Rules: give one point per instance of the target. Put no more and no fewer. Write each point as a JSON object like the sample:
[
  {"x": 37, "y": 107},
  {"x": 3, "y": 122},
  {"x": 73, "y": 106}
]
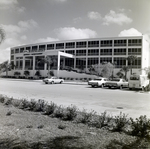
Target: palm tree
[
  {"x": 131, "y": 60},
  {"x": 49, "y": 60},
  {"x": 2, "y": 35},
  {"x": 125, "y": 69}
]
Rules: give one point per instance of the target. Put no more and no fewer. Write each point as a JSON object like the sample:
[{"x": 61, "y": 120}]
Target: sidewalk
[{"x": 75, "y": 82}]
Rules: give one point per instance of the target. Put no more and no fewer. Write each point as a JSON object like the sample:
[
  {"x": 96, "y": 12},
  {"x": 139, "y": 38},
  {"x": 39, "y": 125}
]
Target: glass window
[
  {"x": 120, "y": 42},
  {"x": 134, "y": 51},
  {"x": 106, "y": 43},
  {"x": 135, "y": 42},
  {"x": 80, "y": 63},
  {"x": 59, "y": 45},
  {"x": 21, "y": 50},
  {"x": 106, "y": 52},
  {"x": 81, "y": 53},
  {"x": 42, "y": 47},
  {"x": 93, "y": 52},
  {"x": 120, "y": 62},
  {"x": 70, "y": 45},
  {"x": 105, "y": 60},
  {"x": 50, "y": 46},
  {"x": 70, "y": 52},
  {"x": 92, "y": 61},
  {"x": 16, "y": 50},
  {"x": 81, "y": 44},
  {"x": 119, "y": 51},
  {"x": 93, "y": 43}
]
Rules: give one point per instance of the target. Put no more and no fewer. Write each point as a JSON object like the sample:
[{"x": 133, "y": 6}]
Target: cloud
[
  {"x": 27, "y": 24},
  {"x": 76, "y": 20},
  {"x": 94, "y": 15},
  {"x": 21, "y": 9},
  {"x": 73, "y": 33},
  {"x": 24, "y": 37},
  {"x": 130, "y": 32},
  {"x": 48, "y": 39},
  {"x": 4, "y": 55},
  {"x": 8, "y": 2},
  {"x": 116, "y": 18}
]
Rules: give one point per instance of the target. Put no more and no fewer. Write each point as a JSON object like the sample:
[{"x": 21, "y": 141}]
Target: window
[
  {"x": 93, "y": 52},
  {"x": 42, "y": 47},
  {"x": 12, "y": 57},
  {"x": 19, "y": 63},
  {"x": 39, "y": 64},
  {"x": 28, "y": 48},
  {"x": 69, "y": 62},
  {"x": 81, "y": 53},
  {"x": 21, "y": 50},
  {"x": 70, "y": 52},
  {"x": 119, "y": 51},
  {"x": 106, "y": 52},
  {"x": 70, "y": 45},
  {"x": 106, "y": 43},
  {"x": 120, "y": 43},
  {"x": 12, "y": 51},
  {"x": 50, "y": 46},
  {"x": 105, "y": 60},
  {"x": 34, "y": 48},
  {"x": 120, "y": 62},
  {"x": 92, "y": 61},
  {"x": 134, "y": 51},
  {"x": 93, "y": 43},
  {"x": 16, "y": 50},
  {"x": 135, "y": 42},
  {"x": 60, "y": 46},
  {"x": 136, "y": 63},
  {"x": 80, "y": 63},
  {"x": 81, "y": 44}
]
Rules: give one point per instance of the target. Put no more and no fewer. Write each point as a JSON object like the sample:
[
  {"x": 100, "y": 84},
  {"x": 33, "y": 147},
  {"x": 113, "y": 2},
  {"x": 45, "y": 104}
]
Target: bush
[
  {"x": 24, "y": 104},
  {"x": 49, "y": 108},
  {"x": 39, "y": 106},
  {"x": 119, "y": 122},
  {"x": 86, "y": 117},
  {"x": 59, "y": 112},
  {"x": 141, "y": 127},
  {"x": 102, "y": 120},
  {"x": 70, "y": 113},
  {"x": 2, "y": 99}
]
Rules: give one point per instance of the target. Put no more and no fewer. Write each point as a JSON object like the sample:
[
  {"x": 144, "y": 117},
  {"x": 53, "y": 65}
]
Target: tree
[
  {"x": 131, "y": 60},
  {"x": 4, "y": 67},
  {"x": 2, "y": 35},
  {"x": 125, "y": 69},
  {"x": 49, "y": 60}
]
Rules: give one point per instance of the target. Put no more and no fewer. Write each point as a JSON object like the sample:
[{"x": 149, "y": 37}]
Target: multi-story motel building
[{"x": 81, "y": 54}]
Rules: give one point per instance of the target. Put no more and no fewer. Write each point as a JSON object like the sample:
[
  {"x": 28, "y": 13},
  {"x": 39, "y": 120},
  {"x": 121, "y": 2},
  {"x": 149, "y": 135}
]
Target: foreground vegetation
[{"x": 43, "y": 125}]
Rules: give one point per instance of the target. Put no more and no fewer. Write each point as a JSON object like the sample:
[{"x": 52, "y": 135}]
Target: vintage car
[
  {"x": 99, "y": 82},
  {"x": 116, "y": 83},
  {"x": 53, "y": 80}
]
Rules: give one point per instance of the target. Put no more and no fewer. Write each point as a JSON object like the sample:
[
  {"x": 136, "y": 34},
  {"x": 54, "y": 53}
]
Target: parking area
[{"x": 114, "y": 101}]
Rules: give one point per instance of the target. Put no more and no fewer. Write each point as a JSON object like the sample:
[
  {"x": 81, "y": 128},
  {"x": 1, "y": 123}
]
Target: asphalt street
[{"x": 113, "y": 101}]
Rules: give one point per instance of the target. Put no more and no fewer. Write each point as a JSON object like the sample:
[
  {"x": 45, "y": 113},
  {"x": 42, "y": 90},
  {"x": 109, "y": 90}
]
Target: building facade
[{"x": 81, "y": 54}]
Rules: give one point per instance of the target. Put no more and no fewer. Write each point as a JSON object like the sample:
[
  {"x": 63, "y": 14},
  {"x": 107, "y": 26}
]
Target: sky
[{"x": 37, "y": 21}]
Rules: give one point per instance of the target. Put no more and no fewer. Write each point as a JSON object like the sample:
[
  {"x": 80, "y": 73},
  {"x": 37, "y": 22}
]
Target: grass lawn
[{"x": 24, "y": 129}]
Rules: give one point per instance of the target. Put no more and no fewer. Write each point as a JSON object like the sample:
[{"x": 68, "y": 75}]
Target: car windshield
[
  {"x": 115, "y": 79},
  {"x": 98, "y": 79}
]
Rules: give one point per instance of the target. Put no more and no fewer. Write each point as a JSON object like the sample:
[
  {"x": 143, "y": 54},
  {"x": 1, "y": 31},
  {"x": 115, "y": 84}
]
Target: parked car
[
  {"x": 117, "y": 83},
  {"x": 98, "y": 82},
  {"x": 53, "y": 80}
]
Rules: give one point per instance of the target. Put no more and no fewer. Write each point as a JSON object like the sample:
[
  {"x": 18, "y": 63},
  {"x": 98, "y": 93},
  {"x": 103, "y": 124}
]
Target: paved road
[{"x": 133, "y": 103}]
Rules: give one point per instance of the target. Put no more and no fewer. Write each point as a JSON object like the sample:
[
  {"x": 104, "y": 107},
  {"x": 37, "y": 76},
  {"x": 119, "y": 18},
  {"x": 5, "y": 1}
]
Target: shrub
[
  {"x": 50, "y": 108},
  {"x": 102, "y": 120},
  {"x": 140, "y": 127},
  {"x": 70, "y": 113},
  {"x": 2, "y": 99},
  {"x": 40, "y": 105},
  {"x": 7, "y": 101},
  {"x": 24, "y": 104},
  {"x": 86, "y": 117},
  {"x": 59, "y": 112},
  {"x": 119, "y": 122}
]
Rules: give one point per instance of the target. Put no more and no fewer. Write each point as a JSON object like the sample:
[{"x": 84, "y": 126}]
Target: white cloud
[
  {"x": 73, "y": 33},
  {"x": 8, "y": 2},
  {"x": 27, "y": 24},
  {"x": 48, "y": 39},
  {"x": 24, "y": 37},
  {"x": 130, "y": 32},
  {"x": 76, "y": 20},
  {"x": 116, "y": 18},
  {"x": 5, "y": 55},
  {"x": 94, "y": 15},
  {"x": 21, "y": 9}
]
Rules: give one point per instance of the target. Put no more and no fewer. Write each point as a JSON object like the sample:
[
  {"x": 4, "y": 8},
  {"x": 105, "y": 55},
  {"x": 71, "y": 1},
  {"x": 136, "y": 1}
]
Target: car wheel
[
  {"x": 46, "y": 83},
  {"x": 92, "y": 85},
  {"x": 121, "y": 87},
  {"x": 109, "y": 87},
  {"x": 52, "y": 82},
  {"x": 102, "y": 85},
  {"x": 60, "y": 82}
]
